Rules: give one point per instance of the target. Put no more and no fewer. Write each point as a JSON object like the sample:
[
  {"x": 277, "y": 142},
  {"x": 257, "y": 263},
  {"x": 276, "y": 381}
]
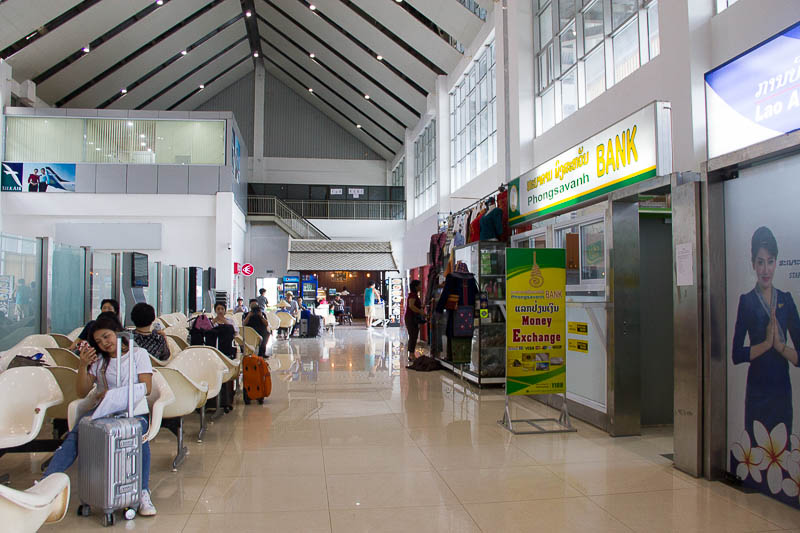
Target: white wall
[
  {"x": 318, "y": 171},
  {"x": 267, "y": 248}
]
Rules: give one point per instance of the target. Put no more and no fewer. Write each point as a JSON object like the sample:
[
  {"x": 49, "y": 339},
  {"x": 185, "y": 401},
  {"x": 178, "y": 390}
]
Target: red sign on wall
[
  {"x": 237, "y": 269},
  {"x": 247, "y": 269}
]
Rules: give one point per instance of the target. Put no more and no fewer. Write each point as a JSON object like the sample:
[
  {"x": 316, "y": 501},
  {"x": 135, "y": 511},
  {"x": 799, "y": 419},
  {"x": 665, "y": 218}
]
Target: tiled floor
[{"x": 350, "y": 442}]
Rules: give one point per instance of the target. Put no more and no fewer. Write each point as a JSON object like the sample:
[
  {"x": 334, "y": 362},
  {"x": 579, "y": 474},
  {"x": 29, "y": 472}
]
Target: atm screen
[{"x": 140, "y": 270}]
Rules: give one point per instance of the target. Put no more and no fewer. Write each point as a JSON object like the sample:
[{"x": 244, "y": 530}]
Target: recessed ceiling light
[
  {"x": 366, "y": 96},
  {"x": 310, "y": 90},
  {"x": 130, "y": 124},
  {"x": 312, "y": 55},
  {"x": 202, "y": 86},
  {"x": 248, "y": 14},
  {"x": 124, "y": 91},
  {"x": 312, "y": 7},
  {"x": 358, "y": 126},
  {"x": 380, "y": 58},
  {"x": 399, "y": 1},
  {"x": 160, "y": 2},
  {"x": 184, "y": 52},
  {"x": 86, "y": 49},
  {"x": 255, "y": 54}
]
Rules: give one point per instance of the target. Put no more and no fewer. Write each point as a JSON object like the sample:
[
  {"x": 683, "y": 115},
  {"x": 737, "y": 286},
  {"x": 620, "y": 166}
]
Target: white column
[
  {"x": 442, "y": 99},
  {"x": 258, "y": 114},
  {"x": 230, "y": 229}
]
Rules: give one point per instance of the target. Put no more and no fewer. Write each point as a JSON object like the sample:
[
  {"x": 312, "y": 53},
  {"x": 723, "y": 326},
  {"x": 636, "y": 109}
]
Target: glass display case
[{"x": 487, "y": 260}]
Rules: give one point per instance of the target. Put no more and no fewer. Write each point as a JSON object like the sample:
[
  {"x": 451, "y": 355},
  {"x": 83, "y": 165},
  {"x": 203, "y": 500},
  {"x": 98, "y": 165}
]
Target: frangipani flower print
[
  {"x": 774, "y": 446},
  {"x": 795, "y": 448},
  {"x": 791, "y": 485},
  {"x": 750, "y": 459}
]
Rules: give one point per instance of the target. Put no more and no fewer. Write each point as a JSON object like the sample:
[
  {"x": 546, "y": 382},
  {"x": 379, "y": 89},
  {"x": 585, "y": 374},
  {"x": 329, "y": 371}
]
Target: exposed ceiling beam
[{"x": 250, "y": 22}]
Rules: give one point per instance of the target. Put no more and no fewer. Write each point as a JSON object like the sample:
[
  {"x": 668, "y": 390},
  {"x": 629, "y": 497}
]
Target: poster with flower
[{"x": 763, "y": 324}]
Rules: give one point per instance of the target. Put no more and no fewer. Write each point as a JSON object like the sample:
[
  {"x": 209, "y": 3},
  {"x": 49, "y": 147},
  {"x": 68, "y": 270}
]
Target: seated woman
[
  {"x": 95, "y": 368},
  {"x": 338, "y": 307},
  {"x": 256, "y": 320},
  {"x": 145, "y": 336},
  {"x": 109, "y": 305}
]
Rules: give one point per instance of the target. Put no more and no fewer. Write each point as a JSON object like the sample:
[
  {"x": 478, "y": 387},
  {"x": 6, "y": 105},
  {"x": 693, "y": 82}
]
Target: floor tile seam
[
  {"x": 609, "y": 513},
  {"x": 208, "y": 478},
  {"x": 751, "y": 511},
  {"x": 325, "y": 479}
]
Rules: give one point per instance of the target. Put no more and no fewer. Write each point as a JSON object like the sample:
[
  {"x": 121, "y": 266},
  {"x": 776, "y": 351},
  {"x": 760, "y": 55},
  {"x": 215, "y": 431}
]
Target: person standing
[
  {"x": 369, "y": 300},
  {"x": 262, "y": 300},
  {"x": 33, "y": 181},
  {"x": 414, "y": 316},
  {"x": 43, "y": 181}
]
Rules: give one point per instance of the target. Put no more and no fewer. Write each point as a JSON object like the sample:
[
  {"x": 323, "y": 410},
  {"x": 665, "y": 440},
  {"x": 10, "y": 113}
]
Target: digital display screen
[{"x": 140, "y": 270}]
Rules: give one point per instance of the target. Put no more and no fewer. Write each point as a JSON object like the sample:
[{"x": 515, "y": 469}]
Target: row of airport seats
[{"x": 182, "y": 387}]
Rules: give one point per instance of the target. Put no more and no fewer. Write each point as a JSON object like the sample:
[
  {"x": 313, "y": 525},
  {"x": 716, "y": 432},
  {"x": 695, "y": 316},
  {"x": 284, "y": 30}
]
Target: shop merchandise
[
  {"x": 491, "y": 224},
  {"x": 463, "y": 287},
  {"x": 475, "y": 225},
  {"x": 502, "y": 204}
]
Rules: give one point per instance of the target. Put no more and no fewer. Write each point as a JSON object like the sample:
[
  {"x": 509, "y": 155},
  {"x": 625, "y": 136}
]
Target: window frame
[
  {"x": 590, "y": 285},
  {"x": 425, "y": 171}
]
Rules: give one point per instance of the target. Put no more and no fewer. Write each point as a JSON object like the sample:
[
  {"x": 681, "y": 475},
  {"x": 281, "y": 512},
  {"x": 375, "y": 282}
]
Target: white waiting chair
[
  {"x": 160, "y": 397},
  {"x": 64, "y": 357},
  {"x": 38, "y": 341},
  {"x": 274, "y": 321},
  {"x": 201, "y": 366},
  {"x": 251, "y": 340},
  {"x": 66, "y": 379},
  {"x": 25, "y": 351},
  {"x": 232, "y": 370},
  {"x": 286, "y": 322},
  {"x": 189, "y": 396},
  {"x": 45, "y": 502},
  {"x": 73, "y": 335},
  {"x": 25, "y": 395}
]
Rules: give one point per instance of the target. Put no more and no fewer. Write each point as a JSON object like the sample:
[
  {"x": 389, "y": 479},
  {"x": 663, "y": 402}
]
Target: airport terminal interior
[{"x": 399, "y": 265}]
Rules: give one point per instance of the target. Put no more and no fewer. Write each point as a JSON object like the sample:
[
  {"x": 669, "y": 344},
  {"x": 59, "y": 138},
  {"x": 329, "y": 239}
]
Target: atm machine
[
  {"x": 195, "y": 289},
  {"x": 135, "y": 277},
  {"x": 209, "y": 289},
  {"x": 308, "y": 289}
]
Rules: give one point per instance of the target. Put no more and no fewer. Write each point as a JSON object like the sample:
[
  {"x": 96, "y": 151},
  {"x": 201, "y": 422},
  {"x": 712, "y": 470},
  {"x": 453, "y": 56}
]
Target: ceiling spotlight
[
  {"x": 312, "y": 55},
  {"x": 380, "y": 58},
  {"x": 202, "y": 86},
  {"x": 358, "y": 126},
  {"x": 130, "y": 124},
  {"x": 184, "y": 52},
  {"x": 399, "y": 1},
  {"x": 86, "y": 49},
  {"x": 312, "y": 7},
  {"x": 124, "y": 91},
  {"x": 255, "y": 54},
  {"x": 366, "y": 96},
  {"x": 248, "y": 14},
  {"x": 310, "y": 90},
  {"x": 160, "y": 2}
]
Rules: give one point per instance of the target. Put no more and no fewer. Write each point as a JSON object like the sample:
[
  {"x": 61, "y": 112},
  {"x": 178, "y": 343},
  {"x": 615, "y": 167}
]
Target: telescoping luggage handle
[{"x": 131, "y": 345}]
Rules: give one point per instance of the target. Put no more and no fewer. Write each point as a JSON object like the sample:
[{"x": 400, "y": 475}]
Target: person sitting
[
  {"x": 145, "y": 336},
  {"x": 109, "y": 305},
  {"x": 95, "y": 368},
  {"x": 240, "y": 307},
  {"x": 225, "y": 330},
  {"x": 255, "y": 319}
]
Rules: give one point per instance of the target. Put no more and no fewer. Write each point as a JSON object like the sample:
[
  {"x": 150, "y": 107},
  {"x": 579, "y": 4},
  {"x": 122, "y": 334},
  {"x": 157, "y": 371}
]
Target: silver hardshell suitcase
[{"x": 110, "y": 458}]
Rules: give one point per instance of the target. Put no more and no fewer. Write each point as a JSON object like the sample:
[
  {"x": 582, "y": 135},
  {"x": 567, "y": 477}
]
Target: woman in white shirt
[{"x": 96, "y": 367}]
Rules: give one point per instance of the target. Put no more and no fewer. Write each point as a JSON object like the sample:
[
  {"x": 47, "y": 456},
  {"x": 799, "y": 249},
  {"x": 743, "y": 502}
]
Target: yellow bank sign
[{"x": 621, "y": 155}]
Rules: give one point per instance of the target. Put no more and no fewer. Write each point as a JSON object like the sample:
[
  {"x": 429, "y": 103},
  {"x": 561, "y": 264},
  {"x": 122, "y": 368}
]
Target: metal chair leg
[
  {"x": 182, "y": 450},
  {"x": 202, "y": 424}
]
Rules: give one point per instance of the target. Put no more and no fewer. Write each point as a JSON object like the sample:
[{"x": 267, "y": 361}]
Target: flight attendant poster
[
  {"x": 763, "y": 328},
  {"x": 37, "y": 177}
]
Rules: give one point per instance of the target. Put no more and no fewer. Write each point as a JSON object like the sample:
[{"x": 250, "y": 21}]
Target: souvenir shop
[{"x": 466, "y": 269}]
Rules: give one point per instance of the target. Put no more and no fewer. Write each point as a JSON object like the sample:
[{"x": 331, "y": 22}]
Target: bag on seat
[{"x": 256, "y": 378}]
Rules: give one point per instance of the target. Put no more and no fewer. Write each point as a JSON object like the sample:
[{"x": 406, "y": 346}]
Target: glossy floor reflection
[{"x": 350, "y": 441}]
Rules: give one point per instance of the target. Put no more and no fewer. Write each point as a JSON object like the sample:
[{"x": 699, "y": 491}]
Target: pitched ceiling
[{"x": 369, "y": 63}]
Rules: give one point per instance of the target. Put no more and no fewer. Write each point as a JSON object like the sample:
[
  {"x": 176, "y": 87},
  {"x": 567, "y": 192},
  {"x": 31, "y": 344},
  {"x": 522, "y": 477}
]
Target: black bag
[
  {"x": 21, "y": 360},
  {"x": 425, "y": 364},
  {"x": 314, "y": 326}
]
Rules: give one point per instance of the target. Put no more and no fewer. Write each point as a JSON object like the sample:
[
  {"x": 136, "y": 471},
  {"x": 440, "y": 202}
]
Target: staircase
[{"x": 273, "y": 209}]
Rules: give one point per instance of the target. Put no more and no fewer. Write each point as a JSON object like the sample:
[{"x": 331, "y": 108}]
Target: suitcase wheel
[
  {"x": 108, "y": 519},
  {"x": 129, "y": 514},
  {"x": 84, "y": 510},
  {"x": 261, "y": 401}
]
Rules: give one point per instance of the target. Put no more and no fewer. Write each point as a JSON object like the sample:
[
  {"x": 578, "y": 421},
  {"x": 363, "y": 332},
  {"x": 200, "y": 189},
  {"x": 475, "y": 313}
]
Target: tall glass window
[
  {"x": 722, "y": 5},
  {"x": 167, "y": 288},
  {"x": 103, "y": 265},
  {"x": 151, "y": 291},
  {"x": 572, "y": 49},
  {"x": 425, "y": 169},
  {"x": 20, "y": 289},
  {"x": 67, "y": 289},
  {"x": 180, "y": 291},
  {"x": 90, "y": 140},
  {"x": 399, "y": 174},
  {"x": 473, "y": 122}
]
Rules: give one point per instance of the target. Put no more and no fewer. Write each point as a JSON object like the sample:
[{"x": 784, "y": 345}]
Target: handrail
[
  {"x": 339, "y": 209},
  {"x": 274, "y": 206}
]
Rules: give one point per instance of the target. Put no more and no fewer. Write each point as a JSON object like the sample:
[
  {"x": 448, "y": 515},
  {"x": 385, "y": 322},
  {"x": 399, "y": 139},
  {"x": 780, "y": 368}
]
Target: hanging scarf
[{"x": 769, "y": 309}]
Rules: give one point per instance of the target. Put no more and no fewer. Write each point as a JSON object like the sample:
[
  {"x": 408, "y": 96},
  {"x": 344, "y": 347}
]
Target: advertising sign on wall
[
  {"x": 755, "y": 96},
  {"x": 38, "y": 177},
  {"x": 763, "y": 328},
  {"x": 396, "y": 306},
  {"x": 536, "y": 321},
  {"x": 236, "y": 157},
  {"x": 619, "y": 156}
]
